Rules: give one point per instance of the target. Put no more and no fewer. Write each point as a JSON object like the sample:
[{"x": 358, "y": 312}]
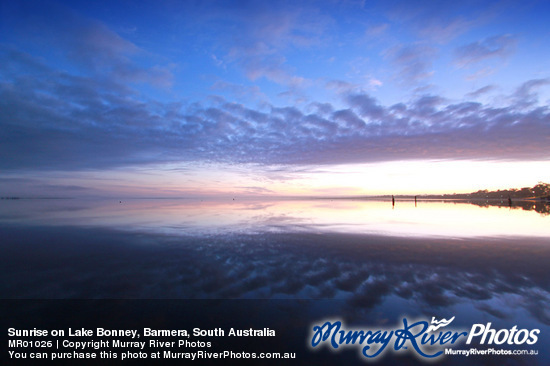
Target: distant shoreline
[{"x": 538, "y": 193}]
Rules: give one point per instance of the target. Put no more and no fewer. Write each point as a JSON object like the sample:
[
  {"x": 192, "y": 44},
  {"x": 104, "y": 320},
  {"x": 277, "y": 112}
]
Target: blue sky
[{"x": 276, "y": 97}]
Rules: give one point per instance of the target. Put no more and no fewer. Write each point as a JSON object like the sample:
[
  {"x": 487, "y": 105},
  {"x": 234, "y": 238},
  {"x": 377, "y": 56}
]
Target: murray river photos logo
[{"x": 427, "y": 339}]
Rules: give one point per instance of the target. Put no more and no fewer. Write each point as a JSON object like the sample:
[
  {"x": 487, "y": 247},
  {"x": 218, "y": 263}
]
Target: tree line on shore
[{"x": 540, "y": 191}]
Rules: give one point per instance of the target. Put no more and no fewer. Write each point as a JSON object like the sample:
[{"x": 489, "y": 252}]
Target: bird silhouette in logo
[{"x": 439, "y": 324}]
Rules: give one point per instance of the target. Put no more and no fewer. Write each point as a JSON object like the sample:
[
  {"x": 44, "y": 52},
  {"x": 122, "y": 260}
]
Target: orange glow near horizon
[{"x": 398, "y": 178}]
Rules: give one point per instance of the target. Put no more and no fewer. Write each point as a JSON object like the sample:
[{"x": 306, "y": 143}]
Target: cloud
[
  {"x": 254, "y": 190},
  {"x": 414, "y": 62},
  {"x": 497, "y": 46},
  {"x": 374, "y": 83},
  {"x": 440, "y": 21},
  {"x": 341, "y": 86},
  {"x": 526, "y": 95},
  {"x": 367, "y": 106},
  {"x": 259, "y": 61},
  {"x": 54, "y": 120},
  {"x": 260, "y": 35},
  {"x": 237, "y": 91},
  {"x": 349, "y": 118},
  {"x": 377, "y": 30},
  {"x": 89, "y": 44},
  {"x": 446, "y": 31}
]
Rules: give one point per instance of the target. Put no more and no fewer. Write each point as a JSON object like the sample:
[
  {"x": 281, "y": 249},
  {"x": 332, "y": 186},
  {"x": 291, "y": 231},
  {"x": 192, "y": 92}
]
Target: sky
[{"x": 177, "y": 98}]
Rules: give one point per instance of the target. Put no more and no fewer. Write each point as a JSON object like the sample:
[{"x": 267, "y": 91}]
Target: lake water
[
  {"x": 252, "y": 216},
  {"x": 364, "y": 261}
]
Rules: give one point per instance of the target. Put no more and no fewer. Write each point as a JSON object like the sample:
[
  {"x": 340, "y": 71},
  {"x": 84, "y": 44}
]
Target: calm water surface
[
  {"x": 362, "y": 260},
  {"x": 195, "y": 216}
]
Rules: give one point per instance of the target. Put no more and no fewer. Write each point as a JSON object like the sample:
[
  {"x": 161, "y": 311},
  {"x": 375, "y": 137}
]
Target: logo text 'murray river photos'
[{"x": 421, "y": 337}]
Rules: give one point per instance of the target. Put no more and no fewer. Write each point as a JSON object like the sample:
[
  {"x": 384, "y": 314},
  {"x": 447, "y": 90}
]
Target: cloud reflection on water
[{"x": 365, "y": 271}]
